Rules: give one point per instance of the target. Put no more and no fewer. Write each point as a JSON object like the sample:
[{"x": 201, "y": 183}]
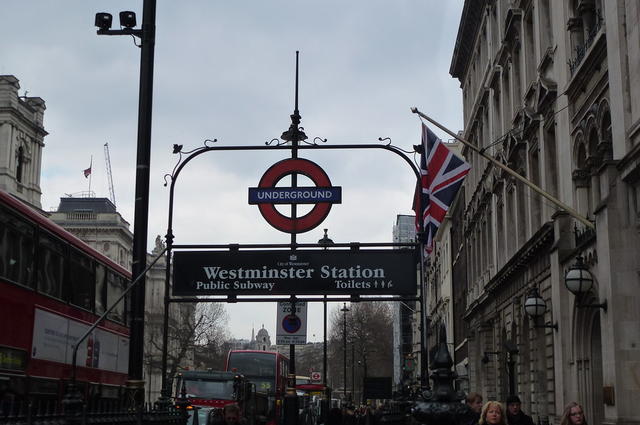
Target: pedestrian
[
  {"x": 515, "y": 415},
  {"x": 474, "y": 401},
  {"x": 492, "y": 414},
  {"x": 573, "y": 415},
  {"x": 231, "y": 414}
]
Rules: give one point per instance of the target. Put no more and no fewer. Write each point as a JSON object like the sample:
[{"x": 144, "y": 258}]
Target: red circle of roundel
[{"x": 308, "y": 221}]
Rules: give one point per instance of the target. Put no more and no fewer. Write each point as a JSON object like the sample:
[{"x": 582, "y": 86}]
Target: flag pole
[
  {"x": 90, "y": 175},
  {"x": 500, "y": 165}
]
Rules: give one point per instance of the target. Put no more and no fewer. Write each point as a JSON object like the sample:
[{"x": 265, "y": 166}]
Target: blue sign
[
  {"x": 295, "y": 195},
  {"x": 291, "y": 323}
]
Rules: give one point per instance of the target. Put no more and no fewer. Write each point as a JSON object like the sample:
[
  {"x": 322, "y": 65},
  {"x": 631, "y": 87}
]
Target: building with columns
[
  {"x": 97, "y": 222},
  {"x": 21, "y": 141},
  {"x": 551, "y": 89}
]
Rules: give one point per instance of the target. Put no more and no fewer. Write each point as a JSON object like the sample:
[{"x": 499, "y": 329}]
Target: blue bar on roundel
[{"x": 295, "y": 195}]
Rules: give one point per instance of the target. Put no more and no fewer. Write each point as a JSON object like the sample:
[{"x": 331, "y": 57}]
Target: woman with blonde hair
[
  {"x": 573, "y": 415},
  {"x": 492, "y": 414}
]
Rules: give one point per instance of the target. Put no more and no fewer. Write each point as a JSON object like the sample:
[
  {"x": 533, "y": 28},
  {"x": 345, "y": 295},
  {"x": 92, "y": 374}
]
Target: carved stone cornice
[
  {"x": 580, "y": 177},
  {"x": 512, "y": 21},
  {"x": 605, "y": 150}
]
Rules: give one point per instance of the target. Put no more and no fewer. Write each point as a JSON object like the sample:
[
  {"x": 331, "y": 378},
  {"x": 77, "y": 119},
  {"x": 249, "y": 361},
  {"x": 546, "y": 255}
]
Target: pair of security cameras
[{"x": 104, "y": 20}]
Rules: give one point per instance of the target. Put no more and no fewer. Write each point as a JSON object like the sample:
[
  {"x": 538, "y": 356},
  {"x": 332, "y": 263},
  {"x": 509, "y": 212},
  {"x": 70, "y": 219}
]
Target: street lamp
[
  {"x": 146, "y": 34},
  {"x": 535, "y": 307},
  {"x": 579, "y": 281},
  {"x": 353, "y": 371},
  {"x": 344, "y": 310},
  {"x": 325, "y": 242}
]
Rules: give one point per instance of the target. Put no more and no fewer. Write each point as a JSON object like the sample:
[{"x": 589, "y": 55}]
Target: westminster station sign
[{"x": 310, "y": 272}]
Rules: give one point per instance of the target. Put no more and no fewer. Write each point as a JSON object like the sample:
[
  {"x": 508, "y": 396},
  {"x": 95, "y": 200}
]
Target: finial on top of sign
[{"x": 295, "y": 134}]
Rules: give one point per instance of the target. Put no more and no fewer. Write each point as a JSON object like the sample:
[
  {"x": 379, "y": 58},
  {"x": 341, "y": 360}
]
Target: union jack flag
[{"x": 441, "y": 175}]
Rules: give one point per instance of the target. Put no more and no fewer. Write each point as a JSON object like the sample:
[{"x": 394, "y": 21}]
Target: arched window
[
  {"x": 581, "y": 178},
  {"x": 605, "y": 147},
  {"x": 20, "y": 164},
  {"x": 593, "y": 163}
]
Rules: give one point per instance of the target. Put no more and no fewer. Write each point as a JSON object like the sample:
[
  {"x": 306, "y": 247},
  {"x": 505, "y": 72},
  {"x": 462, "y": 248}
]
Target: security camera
[
  {"x": 127, "y": 19},
  {"x": 103, "y": 20},
  {"x": 485, "y": 359}
]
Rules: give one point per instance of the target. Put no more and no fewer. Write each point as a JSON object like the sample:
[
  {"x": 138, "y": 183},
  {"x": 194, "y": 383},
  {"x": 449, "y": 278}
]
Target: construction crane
[{"x": 107, "y": 160}]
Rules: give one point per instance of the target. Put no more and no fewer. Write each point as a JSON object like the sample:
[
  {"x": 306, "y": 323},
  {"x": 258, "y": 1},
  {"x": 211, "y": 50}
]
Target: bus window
[
  {"x": 50, "y": 266},
  {"x": 16, "y": 250},
  {"x": 115, "y": 287},
  {"x": 101, "y": 289},
  {"x": 82, "y": 280}
]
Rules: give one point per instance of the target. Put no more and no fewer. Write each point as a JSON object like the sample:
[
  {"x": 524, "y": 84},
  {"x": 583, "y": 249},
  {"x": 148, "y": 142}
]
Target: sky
[{"x": 225, "y": 70}]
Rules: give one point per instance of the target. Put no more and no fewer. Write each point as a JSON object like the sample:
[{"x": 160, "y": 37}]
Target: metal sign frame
[
  {"x": 290, "y": 140},
  {"x": 208, "y": 146}
]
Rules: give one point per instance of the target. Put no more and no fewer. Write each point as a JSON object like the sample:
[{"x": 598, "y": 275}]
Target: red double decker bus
[
  {"x": 53, "y": 287},
  {"x": 268, "y": 370}
]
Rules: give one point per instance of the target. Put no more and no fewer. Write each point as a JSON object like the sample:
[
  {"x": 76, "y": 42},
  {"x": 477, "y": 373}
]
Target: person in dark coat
[
  {"x": 515, "y": 415},
  {"x": 474, "y": 401}
]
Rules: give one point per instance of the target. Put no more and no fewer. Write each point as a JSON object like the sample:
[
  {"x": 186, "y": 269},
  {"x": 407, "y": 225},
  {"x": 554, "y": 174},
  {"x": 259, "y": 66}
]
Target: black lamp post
[
  {"x": 535, "y": 307},
  {"x": 353, "y": 372},
  {"x": 325, "y": 242},
  {"x": 344, "y": 310},
  {"x": 442, "y": 404},
  {"x": 147, "y": 43},
  {"x": 579, "y": 281},
  {"x": 363, "y": 363}
]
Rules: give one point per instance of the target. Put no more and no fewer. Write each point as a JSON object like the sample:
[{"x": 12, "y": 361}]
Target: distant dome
[{"x": 263, "y": 340}]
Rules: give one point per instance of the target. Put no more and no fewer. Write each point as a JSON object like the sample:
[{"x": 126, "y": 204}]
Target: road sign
[
  {"x": 291, "y": 326},
  {"x": 311, "y": 272},
  {"x": 316, "y": 376}
]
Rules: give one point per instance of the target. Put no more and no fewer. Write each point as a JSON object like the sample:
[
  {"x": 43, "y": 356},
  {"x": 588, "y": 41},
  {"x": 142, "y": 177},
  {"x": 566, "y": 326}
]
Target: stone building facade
[
  {"x": 551, "y": 89},
  {"x": 406, "y": 321},
  {"x": 97, "y": 222},
  {"x": 21, "y": 141}
]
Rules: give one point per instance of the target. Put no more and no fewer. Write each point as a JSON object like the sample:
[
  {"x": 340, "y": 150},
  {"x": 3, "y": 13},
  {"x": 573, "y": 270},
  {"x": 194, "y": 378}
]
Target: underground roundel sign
[{"x": 322, "y": 195}]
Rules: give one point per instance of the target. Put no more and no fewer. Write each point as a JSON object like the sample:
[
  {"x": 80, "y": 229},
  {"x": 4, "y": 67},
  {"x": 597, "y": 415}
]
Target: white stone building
[
  {"x": 406, "y": 320},
  {"x": 97, "y": 222},
  {"x": 550, "y": 88},
  {"x": 21, "y": 142}
]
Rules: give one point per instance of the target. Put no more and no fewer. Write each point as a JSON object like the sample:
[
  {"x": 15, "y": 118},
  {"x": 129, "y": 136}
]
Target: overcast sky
[{"x": 225, "y": 70}]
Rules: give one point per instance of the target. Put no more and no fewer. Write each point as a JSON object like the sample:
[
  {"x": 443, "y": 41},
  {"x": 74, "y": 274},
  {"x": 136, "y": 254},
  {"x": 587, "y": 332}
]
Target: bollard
[
  {"x": 324, "y": 410},
  {"x": 73, "y": 405},
  {"x": 290, "y": 408}
]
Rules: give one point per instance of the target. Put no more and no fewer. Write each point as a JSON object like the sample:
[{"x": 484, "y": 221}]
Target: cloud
[{"x": 225, "y": 70}]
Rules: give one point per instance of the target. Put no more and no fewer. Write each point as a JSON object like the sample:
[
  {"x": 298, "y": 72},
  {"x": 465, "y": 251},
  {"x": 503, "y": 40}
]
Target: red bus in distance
[{"x": 268, "y": 370}]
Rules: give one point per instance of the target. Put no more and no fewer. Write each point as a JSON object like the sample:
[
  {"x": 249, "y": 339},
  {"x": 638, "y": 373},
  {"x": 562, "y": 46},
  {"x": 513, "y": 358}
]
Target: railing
[
  {"x": 47, "y": 412},
  {"x": 81, "y": 215},
  {"x": 581, "y": 50},
  {"x": 583, "y": 234}
]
